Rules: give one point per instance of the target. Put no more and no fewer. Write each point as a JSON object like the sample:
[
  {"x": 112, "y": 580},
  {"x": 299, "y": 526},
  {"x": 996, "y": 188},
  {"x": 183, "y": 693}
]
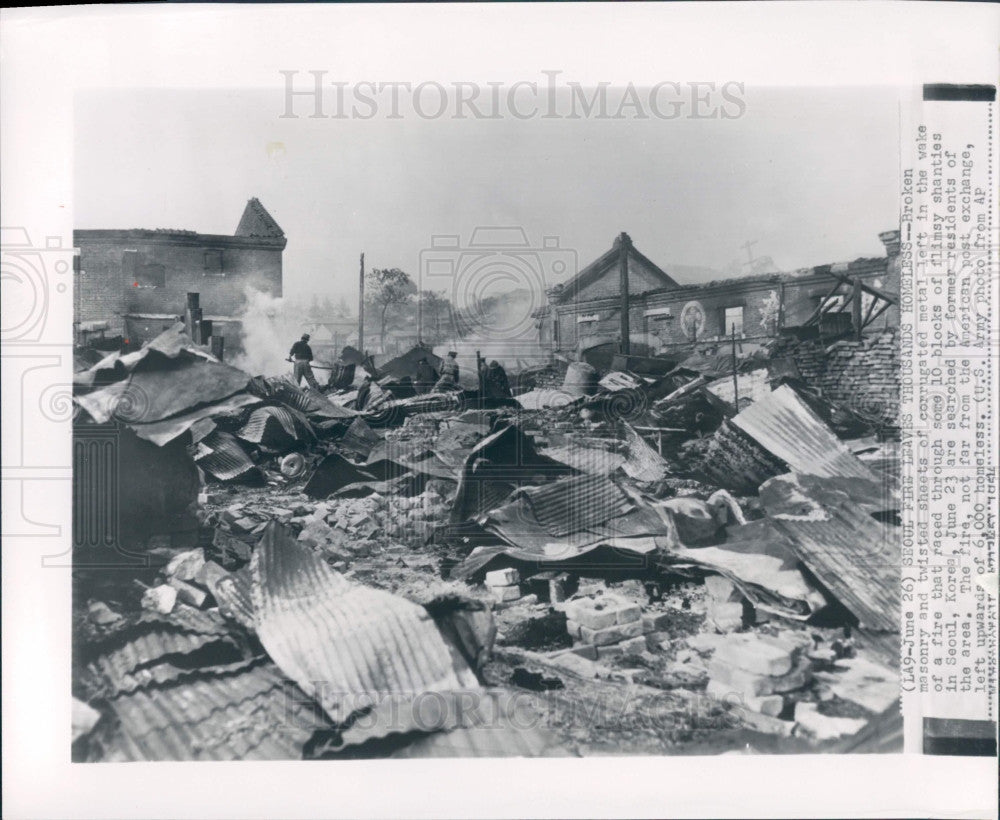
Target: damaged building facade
[
  {"x": 665, "y": 315},
  {"x": 132, "y": 284}
]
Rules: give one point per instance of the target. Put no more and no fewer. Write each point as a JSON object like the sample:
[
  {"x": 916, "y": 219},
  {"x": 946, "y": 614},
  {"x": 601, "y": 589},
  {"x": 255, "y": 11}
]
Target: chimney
[{"x": 891, "y": 241}]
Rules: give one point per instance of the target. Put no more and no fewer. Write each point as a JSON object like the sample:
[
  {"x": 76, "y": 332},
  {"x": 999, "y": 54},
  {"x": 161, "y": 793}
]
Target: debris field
[{"x": 598, "y": 564}]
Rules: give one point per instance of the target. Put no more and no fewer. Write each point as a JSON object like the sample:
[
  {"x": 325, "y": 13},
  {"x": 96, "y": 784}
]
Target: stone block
[
  {"x": 603, "y": 611},
  {"x": 506, "y": 593},
  {"x": 503, "y": 577},
  {"x": 584, "y": 650},
  {"x": 612, "y": 634},
  {"x": 655, "y": 621},
  {"x": 809, "y": 721},
  {"x": 755, "y": 684},
  {"x": 755, "y": 655},
  {"x": 189, "y": 593},
  {"x": 634, "y": 646},
  {"x": 628, "y": 613},
  {"x": 185, "y": 565},
  {"x": 590, "y": 613},
  {"x": 527, "y": 600},
  {"x": 161, "y": 599},
  {"x": 613, "y": 651},
  {"x": 770, "y": 705},
  {"x": 725, "y": 617},
  {"x": 573, "y": 628}
]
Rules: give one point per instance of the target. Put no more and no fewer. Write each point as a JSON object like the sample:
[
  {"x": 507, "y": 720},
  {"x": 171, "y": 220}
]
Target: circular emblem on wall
[{"x": 693, "y": 319}]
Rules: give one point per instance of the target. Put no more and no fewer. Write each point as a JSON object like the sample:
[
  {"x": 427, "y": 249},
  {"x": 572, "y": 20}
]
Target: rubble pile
[{"x": 727, "y": 562}]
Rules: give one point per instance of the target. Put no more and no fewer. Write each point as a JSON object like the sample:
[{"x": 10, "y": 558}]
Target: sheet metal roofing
[{"x": 782, "y": 424}]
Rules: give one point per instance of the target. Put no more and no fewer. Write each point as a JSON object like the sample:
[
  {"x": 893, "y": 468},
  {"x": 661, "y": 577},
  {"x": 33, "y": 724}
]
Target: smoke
[
  {"x": 505, "y": 330},
  {"x": 269, "y": 327}
]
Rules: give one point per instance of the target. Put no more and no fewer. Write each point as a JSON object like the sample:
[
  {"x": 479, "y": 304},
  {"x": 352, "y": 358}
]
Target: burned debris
[{"x": 385, "y": 566}]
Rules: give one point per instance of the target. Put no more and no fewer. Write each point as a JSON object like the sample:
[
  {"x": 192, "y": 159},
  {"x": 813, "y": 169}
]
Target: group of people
[{"x": 425, "y": 378}]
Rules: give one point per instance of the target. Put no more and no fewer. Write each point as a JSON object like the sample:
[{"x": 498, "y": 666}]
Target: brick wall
[
  {"x": 100, "y": 294},
  {"x": 863, "y": 375},
  {"x": 162, "y": 271},
  {"x": 797, "y": 296}
]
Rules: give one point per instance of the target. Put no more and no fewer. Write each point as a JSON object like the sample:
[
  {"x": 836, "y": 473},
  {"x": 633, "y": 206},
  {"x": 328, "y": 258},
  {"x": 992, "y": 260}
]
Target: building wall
[
  {"x": 862, "y": 375},
  {"x": 640, "y": 280},
  {"x": 100, "y": 294},
  {"x": 796, "y": 298},
  {"x": 122, "y": 273}
]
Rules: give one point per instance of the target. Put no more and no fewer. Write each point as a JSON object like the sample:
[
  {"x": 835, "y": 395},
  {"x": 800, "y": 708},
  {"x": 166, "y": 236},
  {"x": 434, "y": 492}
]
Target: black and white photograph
[
  {"x": 592, "y": 405},
  {"x": 427, "y": 420}
]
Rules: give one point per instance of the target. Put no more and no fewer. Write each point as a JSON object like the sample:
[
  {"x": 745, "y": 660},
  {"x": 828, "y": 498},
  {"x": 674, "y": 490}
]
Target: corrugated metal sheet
[
  {"x": 753, "y": 386},
  {"x": 345, "y": 645},
  {"x": 332, "y": 473},
  {"x": 593, "y": 460},
  {"x": 155, "y": 648},
  {"x": 856, "y": 558},
  {"x": 495, "y": 467},
  {"x": 253, "y": 714},
  {"x": 489, "y": 730},
  {"x": 783, "y": 425},
  {"x": 228, "y": 460},
  {"x": 277, "y": 427},
  {"x": 574, "y": 504},
  {"x": 643, "y": 462},
  {"x": 105, "y": 679},
  {"x": 360, "y": 438}
]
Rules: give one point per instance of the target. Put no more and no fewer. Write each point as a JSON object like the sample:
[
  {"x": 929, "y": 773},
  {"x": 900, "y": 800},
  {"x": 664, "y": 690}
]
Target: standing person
[
  {"x": 424, "y": 376},
  {"x": 301, "y": 354},
  {"x": 363, "y": 392},
  {"x": 342, "y": 374},
  {"x": 449, "y": 374},
  {"x": 496, "y": 382}
]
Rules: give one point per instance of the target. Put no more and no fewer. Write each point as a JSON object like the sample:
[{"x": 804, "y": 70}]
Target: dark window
[
  {"x": 150, "y": 276},
  {"x": 213, "y": 261}
]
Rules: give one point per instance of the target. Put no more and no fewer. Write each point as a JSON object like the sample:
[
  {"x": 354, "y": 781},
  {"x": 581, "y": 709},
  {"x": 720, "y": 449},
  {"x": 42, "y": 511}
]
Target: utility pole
[
  {"x": 624, "y": 243},
  {"x": 361, "y": 307},
  {"x": 747, "y": 246},
  {"x": 736, "y": 384},
  {"x": 420, "y": 317},
  {"x": 856, "y": 308}
]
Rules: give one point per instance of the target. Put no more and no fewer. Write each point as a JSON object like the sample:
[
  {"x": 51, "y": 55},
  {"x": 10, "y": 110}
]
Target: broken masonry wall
[
  {"x": 127, "y": 490},
  {"x": 130, "y": 278},
  {"x": 861, "y": 375}
]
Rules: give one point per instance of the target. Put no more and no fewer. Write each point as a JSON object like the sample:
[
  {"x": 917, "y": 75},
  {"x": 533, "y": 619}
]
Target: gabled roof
[
  {"x": 256, "y": 221},
  {"x": 606, "y": 264}
]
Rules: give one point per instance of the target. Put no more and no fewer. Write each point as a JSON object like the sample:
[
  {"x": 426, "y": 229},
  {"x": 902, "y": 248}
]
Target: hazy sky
[{"x": 811, "y": 175}]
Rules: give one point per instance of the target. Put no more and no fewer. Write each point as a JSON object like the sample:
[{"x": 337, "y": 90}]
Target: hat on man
[
  {"x": 305, "y": 337},
  {"x": 452, "y": 353}
]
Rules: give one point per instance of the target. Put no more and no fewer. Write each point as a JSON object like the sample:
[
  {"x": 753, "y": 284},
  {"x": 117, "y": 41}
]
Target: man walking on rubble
[
  {"x": 301, "y": 355},
  {"x": 424, "y": 377},
  {"x": 449, "y": 374}
]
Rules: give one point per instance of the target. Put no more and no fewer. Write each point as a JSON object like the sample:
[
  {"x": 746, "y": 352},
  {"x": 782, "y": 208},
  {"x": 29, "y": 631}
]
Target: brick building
[
  {"x": 134, "y": 283},
  {"x": 666, "y": 315}
]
